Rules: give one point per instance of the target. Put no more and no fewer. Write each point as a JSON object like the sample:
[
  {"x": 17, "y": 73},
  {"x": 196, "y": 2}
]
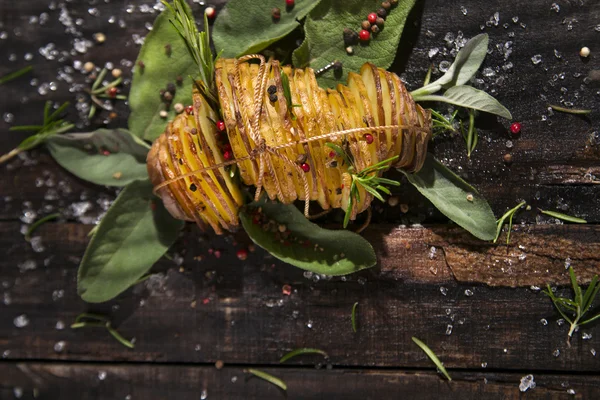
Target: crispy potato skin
[{"x": 373, "y": 97}]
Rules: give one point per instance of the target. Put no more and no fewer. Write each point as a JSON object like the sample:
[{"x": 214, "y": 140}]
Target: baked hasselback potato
[{"x": 186, "y": 162}]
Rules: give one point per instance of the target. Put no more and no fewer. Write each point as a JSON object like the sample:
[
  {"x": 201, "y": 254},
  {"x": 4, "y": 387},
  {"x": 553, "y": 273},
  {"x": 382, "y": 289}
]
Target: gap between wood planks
[{"x": 157, "y": 381}]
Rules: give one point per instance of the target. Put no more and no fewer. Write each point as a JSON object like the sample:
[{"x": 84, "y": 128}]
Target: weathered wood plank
[
  {"x": 236, "y": 311},
  {"x": 59, "y": 381}
]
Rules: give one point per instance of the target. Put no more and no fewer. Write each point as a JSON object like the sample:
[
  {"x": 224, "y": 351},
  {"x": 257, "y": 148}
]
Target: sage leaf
[
  {"x": 135, "y": 232},
  {"x": 307, "y": 246},
  {"x": 109, "y": 157},
  {"x": 467, "y": 62},
  {"x": 450, "y": 194},
  {"x": 247, "y": 26},
  {"x": 155, "y": 68},
  {"x": 324, "y": 41},
  {"x": 469, "y": 97}
]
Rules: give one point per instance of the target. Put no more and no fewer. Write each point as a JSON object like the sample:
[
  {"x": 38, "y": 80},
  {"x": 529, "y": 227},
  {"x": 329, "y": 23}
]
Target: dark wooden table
[{"x": 474, "y": 303}]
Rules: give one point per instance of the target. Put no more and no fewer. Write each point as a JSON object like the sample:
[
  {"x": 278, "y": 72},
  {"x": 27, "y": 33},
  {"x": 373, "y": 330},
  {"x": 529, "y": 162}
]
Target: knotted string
[{"x": 262, "y": 150}]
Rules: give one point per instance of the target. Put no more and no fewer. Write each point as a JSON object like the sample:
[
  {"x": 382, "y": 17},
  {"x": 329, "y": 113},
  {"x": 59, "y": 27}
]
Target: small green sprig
[
  {"x": 51, "y": 126},
  {"x": 367, "y": 179},
  {"x": 197, "y": 44},
  {"x": 86, "y": 320},
  {"x": 97, "y": 92},
  {"x": 354, "y": 325},
  {"x": 509, "y": 214},
  {"x": 441, "y": 124},
  {"x": 563, "y": 217},
  {"x": 574, "y": 310}
]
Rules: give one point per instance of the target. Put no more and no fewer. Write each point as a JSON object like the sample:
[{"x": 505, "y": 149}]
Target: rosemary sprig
[
  {"x": 50, "y": 127},
  {"x": 441, "y": 124},
  {"x": 370, "y": 182},
  {"x": 95, "y": 320},
  {"x": 197, "y": 44},
  {"x": 267, "y": 377},
  {"x": 564, "y": 217},
  {"x": 577, "y": 307},
  {"x": 304, "y": 350},
  {"x": 432, "y": 356},
  {"x": 509, "y": 214},
  {"x": 14, "y": 75},
  {"x": 97, "y": 92}
]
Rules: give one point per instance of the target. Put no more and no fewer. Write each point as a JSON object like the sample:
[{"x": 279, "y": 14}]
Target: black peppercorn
[
  {"x": 350, "y": 37},
  {"x": 382, "y": 13},
  {"x": 179, "y": 80},
  {"x": 272, "y": 98},
  {"x": 366, "y": 25},
  {"x": 193, "y": 187},
  {"x": 276, "y": 14},
  {"x": 394, "y": 2},
  {"x": 386, "y": 5},
  {"x": 380, "y": 22},
  {"x": 375, "y": 29},
  {"x": 171, "y": 88},
  {"x": 272, "y": 89},
  {"x": 337, "y": 65}
]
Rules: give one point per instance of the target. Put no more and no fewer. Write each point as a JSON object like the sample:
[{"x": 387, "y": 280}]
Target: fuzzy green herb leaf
[
  {"x": 304, "y": 350},
  {"x": 324, "y": 41},
  {"x": 307, "y": 245},
  {"x": 104, "y": 157},
  {"x": 135, "y": 232},
  {"x": 452, "y": 196},
  {"x": 575, "y": 310},
  {"x": 467, "y": 62},
  {"x": 267, "y": 377},
  {"x": 500, "y": 223},
  {"x": 468, "y": 97},
  {"x": 563, "y": 217},
  {"x": 432, "y": 357},
  {"x": 154, "y": 69},
  {"x": 247, "y": 26}
]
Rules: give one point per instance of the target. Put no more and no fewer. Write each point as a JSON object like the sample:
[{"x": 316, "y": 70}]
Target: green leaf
[
  {"x": 448, "y": 193},
  {"x": 564, "y": 217},
  {"x": 324, "y": 41},
  {"x": 432, "y": 356},
  {"x": 576, "y": 287},
  {"x": 135, "y": 232},
  {"x": 104, "y": 157},
  {"x": 247, "y": 26},
  {"x": 159, "y": 70},
  {"x": 301, "y": 351},
  {"x": 469, "y": 97},
  {"x": 467, "y": 62},
  {"x": 308, "y": 246}
]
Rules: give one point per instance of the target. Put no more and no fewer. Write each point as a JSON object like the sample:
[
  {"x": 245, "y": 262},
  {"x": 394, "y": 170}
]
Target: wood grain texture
[
  {"x": 61, "y": 381},
  {"x": 223, "y": 309}
]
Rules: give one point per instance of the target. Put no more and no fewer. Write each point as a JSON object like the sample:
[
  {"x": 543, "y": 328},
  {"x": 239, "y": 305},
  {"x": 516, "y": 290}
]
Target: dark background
[{"x": 478, "y": 306}]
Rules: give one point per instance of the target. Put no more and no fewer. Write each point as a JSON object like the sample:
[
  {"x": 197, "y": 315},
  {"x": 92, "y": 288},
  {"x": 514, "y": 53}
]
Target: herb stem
[
  {"x": 569, "y": 110},
  {"x": 14, "y": 75},
  {"x": 38, "y": 223},
  {"x": 103, "y": 89}
]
